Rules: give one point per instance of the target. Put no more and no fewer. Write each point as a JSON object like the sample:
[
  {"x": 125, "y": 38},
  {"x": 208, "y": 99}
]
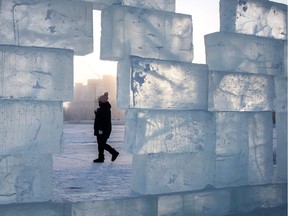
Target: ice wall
[
  {"x": 38, "y": 40},
  {"x": 263, "y": 26},
  {"x": 216, "y": 117},
  {"x": 189, "y": 126}
]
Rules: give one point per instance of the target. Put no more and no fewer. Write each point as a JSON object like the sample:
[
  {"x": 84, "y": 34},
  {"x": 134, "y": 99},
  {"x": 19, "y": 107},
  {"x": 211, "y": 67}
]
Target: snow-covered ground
[{"x": 77, "y": 178}]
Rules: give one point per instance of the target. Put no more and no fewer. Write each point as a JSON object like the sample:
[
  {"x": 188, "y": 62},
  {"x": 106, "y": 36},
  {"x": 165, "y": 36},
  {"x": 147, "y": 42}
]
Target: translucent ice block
[
  {"x": 33, "y": 209},
  {"x": 25, "y": 178},
  {"x": 243, "y": 148},
  {"x": 231, "y": 149},
  {"x": 254, "y": 17},
  {"x": 285, "y": 67},
  {"x": 281, "y": 149},
  {"x": 240, "y": 92},
  {"x": 166, "y": 173},
  {"x": 245, "y": 199},
  {"x": 218, "y": 201},
  {"x": 164, "y": 5},
  {"x": 281, "y": 94},
  {"x": 158, "y": 84},
  {"x": 195, "y": 203},
  {"x": 244, "y": 53},
  {"x": 36, "y": 73},
  {"x": 131, "y": 206},
  {"x": 260, "y": 131},
  {"x": 151, "y": 131},
  {"x": 56, "y": 24},
  {"x": 146, "y": 33},
  {"x": 30, "y": 127}
]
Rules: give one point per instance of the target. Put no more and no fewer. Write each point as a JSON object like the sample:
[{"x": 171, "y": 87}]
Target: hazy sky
[{"x": 205, "y": 20}]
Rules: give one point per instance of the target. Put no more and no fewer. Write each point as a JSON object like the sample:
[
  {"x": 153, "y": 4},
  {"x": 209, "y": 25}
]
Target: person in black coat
[{"x": 103, "y": 128}]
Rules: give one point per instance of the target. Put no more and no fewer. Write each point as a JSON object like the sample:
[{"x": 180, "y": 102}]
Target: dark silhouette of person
[{"x": 103, "y": 128}]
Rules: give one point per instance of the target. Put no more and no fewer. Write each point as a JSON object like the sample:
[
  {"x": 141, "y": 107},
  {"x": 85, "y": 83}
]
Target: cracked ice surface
[
  {"x": 47, "y": 24},
  {"x": 77, "y": 178},
  {"x": 255, "y": 17},
  {"x": 36, "y": 73}
]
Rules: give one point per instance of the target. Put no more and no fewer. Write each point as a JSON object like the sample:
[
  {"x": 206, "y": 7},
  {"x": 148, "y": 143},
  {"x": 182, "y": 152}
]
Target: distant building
[{"x": 85, "y": 99}]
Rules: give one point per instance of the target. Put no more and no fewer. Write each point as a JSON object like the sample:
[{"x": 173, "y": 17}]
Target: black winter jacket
[{"x": 102, "y": 120}]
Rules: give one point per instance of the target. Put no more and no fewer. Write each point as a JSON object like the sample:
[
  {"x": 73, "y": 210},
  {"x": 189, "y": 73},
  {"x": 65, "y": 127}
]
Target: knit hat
[{"x": 103, "y": 98}]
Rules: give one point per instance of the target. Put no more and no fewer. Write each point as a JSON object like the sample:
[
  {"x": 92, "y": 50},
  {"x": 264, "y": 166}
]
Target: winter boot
[
  {"x": 100, "y": 159},
  {"x": 114, "y": 154}
]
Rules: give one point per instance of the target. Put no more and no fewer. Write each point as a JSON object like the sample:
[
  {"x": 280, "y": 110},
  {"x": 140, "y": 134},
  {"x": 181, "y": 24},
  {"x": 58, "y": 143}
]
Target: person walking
[{"x": 103, "y": 128}]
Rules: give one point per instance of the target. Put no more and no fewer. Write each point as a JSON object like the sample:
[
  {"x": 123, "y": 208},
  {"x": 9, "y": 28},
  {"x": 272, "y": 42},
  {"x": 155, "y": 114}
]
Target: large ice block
[
  {"x": 244, "y": 53},
  {"x": 285, "y": 73},
  {"x": 25, "y": 178},
  {"x": 281, "y": 94},
  {"x": 243, "y": 148},
  {"x": 247, "y": 198},
  {"x": 30, "y": 127},
  {"x": 164, "y": 5},
  {"x": 146, "y": 33},
  {"x": 240, "y": 92},
  {"x": 119, "y": 207},
  {"x": 195, "y": 203},
  {"x": 34, "y": 209},
  {"x": 55, "y": 24},
  {"x": 32, "y": 73},
  {"x": 281, "y": 149},
  {"x": 167, "y": 173},
  {"x": 231, "y": 149},
  {"x": 164, "y": 131},
  {"x": 218, "y": 201},
  {"x": 260, "y": 132},
  {"x": 254, "y": 17},
  {"x": 158, "y": 84}
]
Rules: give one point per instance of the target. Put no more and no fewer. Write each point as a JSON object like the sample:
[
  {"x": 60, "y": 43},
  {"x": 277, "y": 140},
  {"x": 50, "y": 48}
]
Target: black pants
[{"x": 102, "y": 145}]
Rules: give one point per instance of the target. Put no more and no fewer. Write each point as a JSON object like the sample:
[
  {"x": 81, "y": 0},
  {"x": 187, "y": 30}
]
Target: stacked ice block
[
  {"x": 189, "y": 125},
  {"x": 248, "y": 75},
  {"x": 37, "y": 44},
  {"x": 146, "y": 33},
  {"x": 165, "y": 97}
]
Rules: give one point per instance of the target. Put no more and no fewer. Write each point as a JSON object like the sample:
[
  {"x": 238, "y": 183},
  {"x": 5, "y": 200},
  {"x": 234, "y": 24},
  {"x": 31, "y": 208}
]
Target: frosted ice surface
[
  {"x": 281, "y": 150},
  {"x": 216, "y": 203},
  {"x": 240, "y": 92},
  {"x": 132, "y": 206},
  {"x": 281, "y": 94},
  {"x": 243, "y": 148},
  {"x": 36, "y": 73},
  {"x": 152, "y": 131},
  {"x": 219, "y": 203},
  {"x": 102, "y": 4},
  {"x": 231, "y": 149},
  {"x": 285, "y": 67},
  {"x": 164, "y": 5},
  {"x": 254, "y": 17},
  {"x": 158, "y": 84},
  {"x": 260, "y": 130},
  {"x": 145, "y": 33},
  {"x": 30, "y": 127},
  {"x": 231, "y": 133},
  {"x": 250, "y": 198},
  {"x": 33, "y": 209},
  {"x": 48, "y": 24},
  {"x": 244, "y": 53},
  {"x": 165, "y": 173},
  {"x": 25, "y": 178}
]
